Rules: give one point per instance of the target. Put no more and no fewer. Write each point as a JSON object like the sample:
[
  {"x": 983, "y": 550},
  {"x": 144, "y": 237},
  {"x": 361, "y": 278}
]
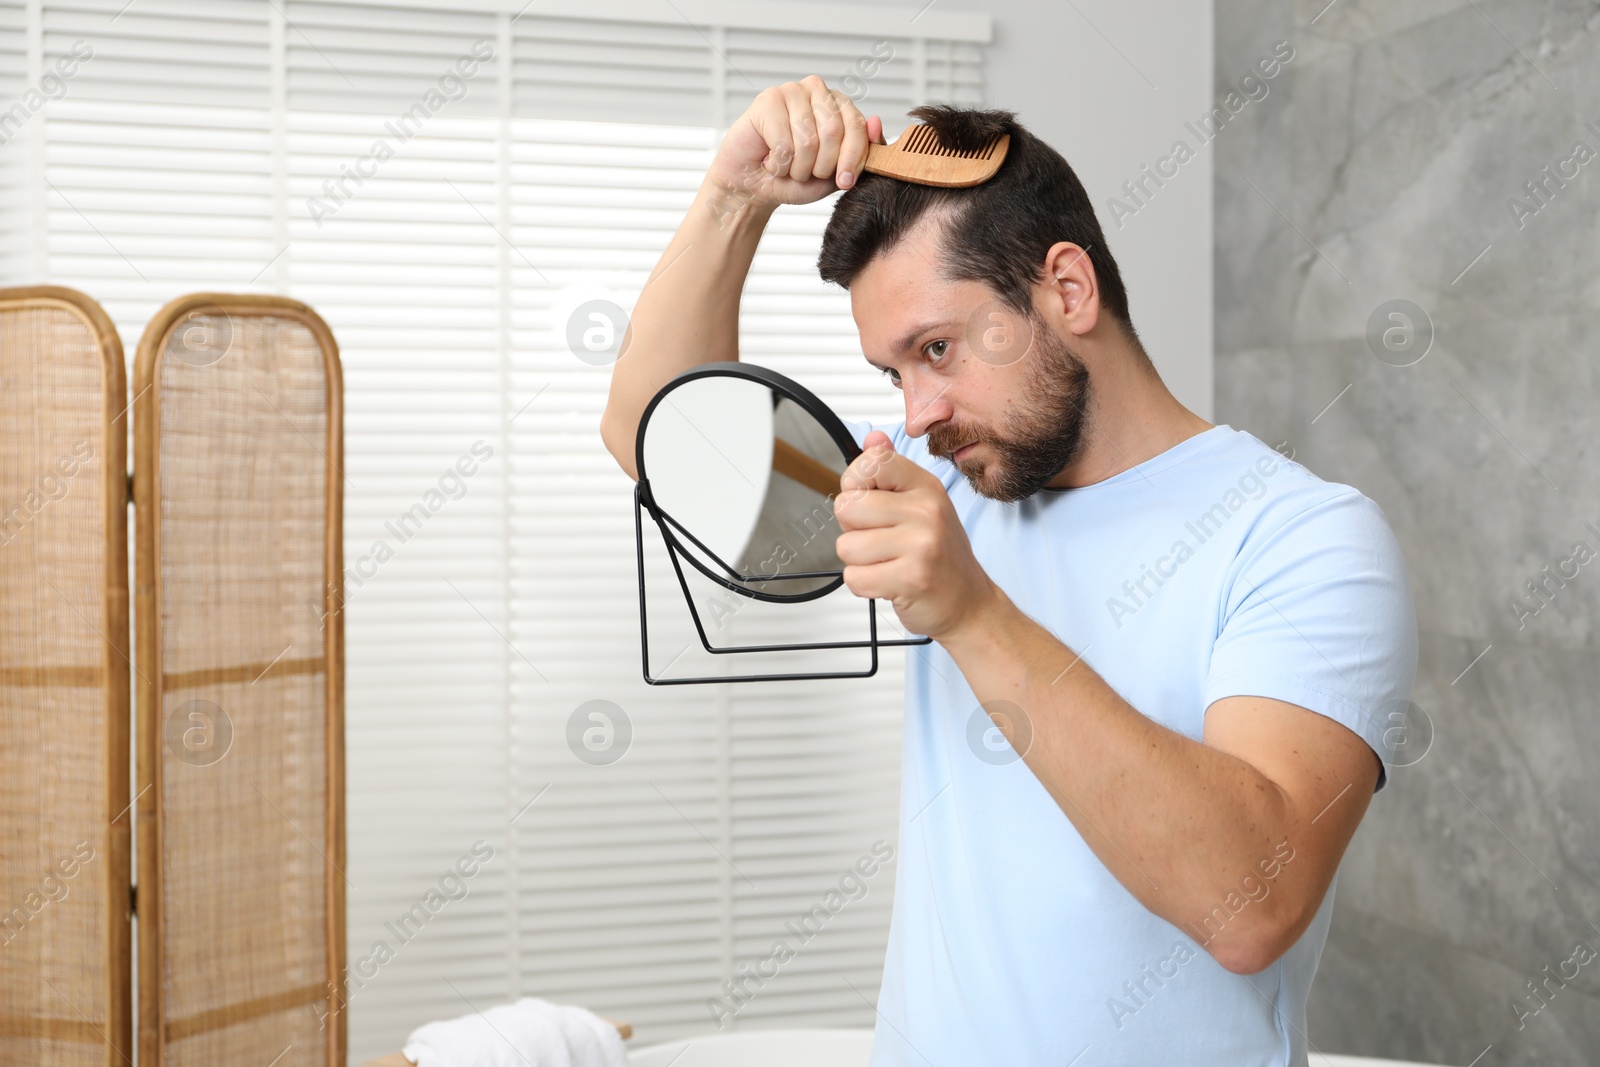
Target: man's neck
[{"x": 1132, "y": 417}]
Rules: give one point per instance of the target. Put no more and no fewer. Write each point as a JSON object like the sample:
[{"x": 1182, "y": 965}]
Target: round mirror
[{"x": 746, "y": 462}]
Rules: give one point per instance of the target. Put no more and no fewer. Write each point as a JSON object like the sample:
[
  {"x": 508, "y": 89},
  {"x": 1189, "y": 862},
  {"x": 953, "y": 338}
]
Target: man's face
[{"x": 972, "y": 370}]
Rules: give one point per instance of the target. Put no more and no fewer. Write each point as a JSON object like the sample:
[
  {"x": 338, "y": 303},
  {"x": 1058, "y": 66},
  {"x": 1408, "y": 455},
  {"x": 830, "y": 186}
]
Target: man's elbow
[
  {"x": 620, "y": 445},
  {"x": 1246, "y": 955},
  {"x": 1251, "y": 947}
]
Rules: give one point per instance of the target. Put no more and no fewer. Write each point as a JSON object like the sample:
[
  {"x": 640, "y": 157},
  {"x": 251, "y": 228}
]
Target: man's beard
[{"x": 1041, "y": 439}]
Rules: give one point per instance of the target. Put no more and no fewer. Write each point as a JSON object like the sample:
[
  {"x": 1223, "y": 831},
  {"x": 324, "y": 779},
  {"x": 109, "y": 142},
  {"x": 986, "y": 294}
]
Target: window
[{"x": 446, "y": 223}]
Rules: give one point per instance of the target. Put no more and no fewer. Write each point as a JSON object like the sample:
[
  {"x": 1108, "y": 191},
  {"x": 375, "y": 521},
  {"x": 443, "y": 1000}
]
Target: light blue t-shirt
[{"x": 1217, "y": 568}]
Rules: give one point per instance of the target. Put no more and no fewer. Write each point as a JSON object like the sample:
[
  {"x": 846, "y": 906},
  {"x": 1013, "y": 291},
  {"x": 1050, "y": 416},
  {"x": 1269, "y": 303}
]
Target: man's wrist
[
  {"x": 981, "y": 622},
  {"x": 732, "y": 203}
]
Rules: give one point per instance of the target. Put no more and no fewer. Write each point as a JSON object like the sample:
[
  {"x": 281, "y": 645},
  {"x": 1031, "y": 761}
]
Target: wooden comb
[{"x": 919, "y": 157}]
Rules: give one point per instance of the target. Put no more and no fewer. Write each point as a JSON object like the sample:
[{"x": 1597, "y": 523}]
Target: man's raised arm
[{"x": 796, "y": 143}]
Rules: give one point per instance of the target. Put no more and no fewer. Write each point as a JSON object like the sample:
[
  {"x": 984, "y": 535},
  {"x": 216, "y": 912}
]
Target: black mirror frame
[{"x": 644, "y": 500}]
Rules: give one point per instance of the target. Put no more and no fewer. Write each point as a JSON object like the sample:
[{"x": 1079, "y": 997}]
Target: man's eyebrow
[{"x": 910, "y": 338}]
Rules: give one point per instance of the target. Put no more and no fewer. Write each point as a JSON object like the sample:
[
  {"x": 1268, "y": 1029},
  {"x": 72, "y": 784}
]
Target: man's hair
[{"x": 997, "y": 232}]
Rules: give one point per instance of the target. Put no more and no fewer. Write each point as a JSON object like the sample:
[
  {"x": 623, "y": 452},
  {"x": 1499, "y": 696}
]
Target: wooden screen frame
[
  {"x": 115, "y": 876},
  {"x": 147, "y": 495}
]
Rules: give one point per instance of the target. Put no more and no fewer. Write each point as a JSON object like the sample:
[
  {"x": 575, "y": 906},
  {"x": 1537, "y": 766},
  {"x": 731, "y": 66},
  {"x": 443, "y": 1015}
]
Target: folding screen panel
[
  {"x": 238, "y": 459},
  {"x": 64, "y": 822}
]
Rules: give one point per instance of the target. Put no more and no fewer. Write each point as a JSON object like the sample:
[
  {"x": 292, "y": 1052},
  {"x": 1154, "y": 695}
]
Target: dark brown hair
[{"x": 997, "y": 232}]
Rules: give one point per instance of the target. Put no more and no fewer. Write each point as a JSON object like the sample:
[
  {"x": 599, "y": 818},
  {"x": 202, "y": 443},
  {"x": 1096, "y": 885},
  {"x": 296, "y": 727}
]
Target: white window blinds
[{"x": 445, "y": 185}]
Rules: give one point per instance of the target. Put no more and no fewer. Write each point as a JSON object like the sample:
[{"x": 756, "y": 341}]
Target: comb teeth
[
  {"x": 920, "y": 158},
  {"x": 923, "y": 142}
]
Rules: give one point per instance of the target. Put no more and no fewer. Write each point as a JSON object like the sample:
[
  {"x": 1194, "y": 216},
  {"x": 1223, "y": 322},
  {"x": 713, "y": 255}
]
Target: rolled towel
[{"x": 529, "y": 1033}]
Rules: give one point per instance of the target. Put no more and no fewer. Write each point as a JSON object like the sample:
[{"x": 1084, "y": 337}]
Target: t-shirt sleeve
[
  {"x": 859, "y": 428},
  {"x": 1320, "y": 615}
]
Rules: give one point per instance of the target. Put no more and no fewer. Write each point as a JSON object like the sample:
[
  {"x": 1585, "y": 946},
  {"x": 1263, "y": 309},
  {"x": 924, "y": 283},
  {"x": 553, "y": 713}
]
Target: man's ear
[{"x": 1069, "y": 272}]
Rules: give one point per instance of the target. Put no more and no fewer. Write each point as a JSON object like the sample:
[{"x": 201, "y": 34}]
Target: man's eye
[
  {"x": 930, "y": 344},
  {"x": 893, "y": 376}
]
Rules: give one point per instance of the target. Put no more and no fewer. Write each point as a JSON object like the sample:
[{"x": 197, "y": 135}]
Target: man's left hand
[{"x": 903, "y": 542}]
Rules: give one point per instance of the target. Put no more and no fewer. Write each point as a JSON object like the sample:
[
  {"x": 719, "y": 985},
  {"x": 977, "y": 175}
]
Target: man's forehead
[
  {"x": 891, "y": 319},
  {"x": 913, "y": 262}
]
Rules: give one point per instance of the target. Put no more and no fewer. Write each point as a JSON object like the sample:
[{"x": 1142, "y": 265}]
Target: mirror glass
[{"x": 750, "y": 473}]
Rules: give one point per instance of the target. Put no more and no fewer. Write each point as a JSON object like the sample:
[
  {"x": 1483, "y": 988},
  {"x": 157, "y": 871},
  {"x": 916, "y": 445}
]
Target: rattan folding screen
[
  {"x": 64, "y": 821},
  {"x": 238, "y": 463},
  {"x": 239, "y": 802}
]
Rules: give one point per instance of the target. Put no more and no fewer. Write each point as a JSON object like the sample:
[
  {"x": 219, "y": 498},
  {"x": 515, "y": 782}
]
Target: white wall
[{"x": 1110, "y": 85}]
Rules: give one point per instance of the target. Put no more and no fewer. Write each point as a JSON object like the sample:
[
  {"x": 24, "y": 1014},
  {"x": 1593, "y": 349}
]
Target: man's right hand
[{"x": 795, "y": 144}]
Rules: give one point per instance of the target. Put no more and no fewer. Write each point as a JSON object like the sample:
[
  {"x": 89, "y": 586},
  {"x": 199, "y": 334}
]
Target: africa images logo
[{"x": 1250, "y": 486}]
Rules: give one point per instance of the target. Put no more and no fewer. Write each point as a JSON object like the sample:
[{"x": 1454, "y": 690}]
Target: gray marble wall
[{"x": 1393, "y": 164}]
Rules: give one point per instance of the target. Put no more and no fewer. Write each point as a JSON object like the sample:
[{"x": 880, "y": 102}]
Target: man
[{"x": 1195, "y": 651}]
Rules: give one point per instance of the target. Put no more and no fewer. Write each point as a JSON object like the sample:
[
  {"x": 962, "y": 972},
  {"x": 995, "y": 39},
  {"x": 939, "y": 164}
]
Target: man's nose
[{"x": 926, "y": 406}]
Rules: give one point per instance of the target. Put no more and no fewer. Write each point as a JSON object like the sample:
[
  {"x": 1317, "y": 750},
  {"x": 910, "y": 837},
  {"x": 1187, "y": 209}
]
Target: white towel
[{"x": 530, "y": 1032}]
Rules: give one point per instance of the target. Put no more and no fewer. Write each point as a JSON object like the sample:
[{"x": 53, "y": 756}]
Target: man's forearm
[
  {"x": 688, "y": 311},
  {"x": 1179, "y": 823}
]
